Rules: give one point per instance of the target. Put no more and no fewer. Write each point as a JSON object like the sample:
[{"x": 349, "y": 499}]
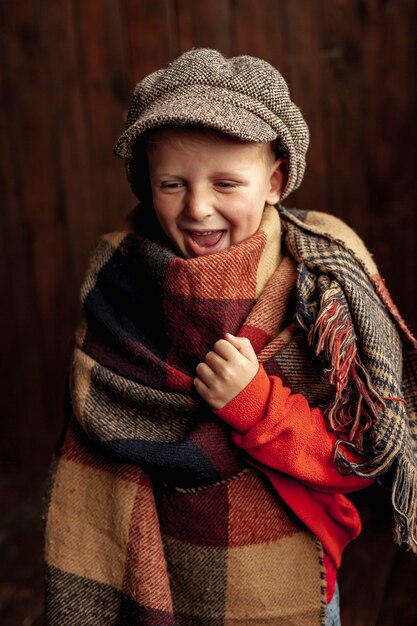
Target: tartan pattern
[
  {"x": 122, "y": 549},
  {"x": 334, "y": 264},
  {"x": 154, "y": 516},
  {"x": 125, "y": 373}
]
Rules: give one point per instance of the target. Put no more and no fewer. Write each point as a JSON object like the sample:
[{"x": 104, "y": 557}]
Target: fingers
[
  {"x": 215, "y": 365},
  {"x": 214, "y": 399},
  {"x": 230, "y": 349},
  {"x": 205, "y": 374},
  {"x": 226, "y": 370},
  {"x": 243, "y": 345},
  {"x": 224, "y": 349},
  {"x": 216, "y": 361},
  {"x": 201, "y": 388}
]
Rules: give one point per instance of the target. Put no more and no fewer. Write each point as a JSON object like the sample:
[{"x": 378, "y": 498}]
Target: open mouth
[{"x": 203, "y": 242}]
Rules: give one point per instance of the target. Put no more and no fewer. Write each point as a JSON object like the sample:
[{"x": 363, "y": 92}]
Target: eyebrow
[{"x": 218, "y": 173}]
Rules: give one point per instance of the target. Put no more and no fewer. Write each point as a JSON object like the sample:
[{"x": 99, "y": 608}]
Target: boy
[{"x": 193, "y": 487}]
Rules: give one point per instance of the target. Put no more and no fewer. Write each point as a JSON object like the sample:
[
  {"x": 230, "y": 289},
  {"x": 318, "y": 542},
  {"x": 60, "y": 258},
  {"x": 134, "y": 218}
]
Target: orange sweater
[{"x": 293, "y": 448}]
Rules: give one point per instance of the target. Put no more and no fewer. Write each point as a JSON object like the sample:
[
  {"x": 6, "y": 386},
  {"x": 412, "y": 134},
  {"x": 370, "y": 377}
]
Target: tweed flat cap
[{"x": 242, "y": 96}]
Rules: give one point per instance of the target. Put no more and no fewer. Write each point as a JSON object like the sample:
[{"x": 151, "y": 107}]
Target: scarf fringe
[
  {"x": 404, "y": 501},
  {"x": 326, "y": 251},
  {"x": 404, "y": 489},
  {"x": 357, "y": 406},
  {"x": 374, "y": 468}
]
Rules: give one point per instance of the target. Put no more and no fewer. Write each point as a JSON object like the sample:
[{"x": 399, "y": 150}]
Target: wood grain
[{"x": 67, "y": 70}]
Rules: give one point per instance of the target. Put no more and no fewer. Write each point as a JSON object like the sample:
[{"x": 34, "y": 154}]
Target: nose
[{"x": 198, "y": 204}]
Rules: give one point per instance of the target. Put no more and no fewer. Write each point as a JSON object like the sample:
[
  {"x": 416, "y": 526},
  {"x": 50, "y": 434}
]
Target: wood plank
[
  {"x": 104, "y": 85},
  {"x": 306, "y": 85},
  {"x": 15, "y": 286},
  {"x": 21, "y": 566},
  {"x": 367, "y": 561},
  {"x": 205, "y": 24},
  {"x": 389, "y": 147},
  {"x": 152, "y": 33},
  {"x": 259, "y": 28},
  {"x": 343, "y": 31},
  {"x": 369, "y": 102},
  {"x": 399, "y": 605},
  {"x": 70, "y": 126},
  {"x": 33, "y": 235}
]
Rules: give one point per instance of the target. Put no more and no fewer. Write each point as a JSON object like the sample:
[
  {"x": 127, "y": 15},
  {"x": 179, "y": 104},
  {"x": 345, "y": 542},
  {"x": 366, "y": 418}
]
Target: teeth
[{"x": 206, "y": 232}]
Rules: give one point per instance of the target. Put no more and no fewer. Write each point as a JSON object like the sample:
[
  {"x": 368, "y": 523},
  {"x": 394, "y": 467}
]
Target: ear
[{"x": 276, "y": 181}]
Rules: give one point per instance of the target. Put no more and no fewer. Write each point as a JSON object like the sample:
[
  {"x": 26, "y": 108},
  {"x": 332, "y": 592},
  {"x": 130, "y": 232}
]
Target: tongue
[{"x": 207, "y": 240}]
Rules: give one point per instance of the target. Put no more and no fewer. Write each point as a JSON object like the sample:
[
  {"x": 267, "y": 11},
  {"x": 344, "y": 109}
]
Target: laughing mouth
[{"x": 206, "y": 238}]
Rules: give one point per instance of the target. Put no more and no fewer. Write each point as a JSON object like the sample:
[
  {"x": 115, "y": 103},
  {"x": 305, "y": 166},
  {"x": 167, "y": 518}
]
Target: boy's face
[{"x": 209, "y": 192}]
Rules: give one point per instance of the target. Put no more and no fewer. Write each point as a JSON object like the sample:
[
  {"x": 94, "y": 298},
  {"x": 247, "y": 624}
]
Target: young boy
[{"x": 196, "y": 484}]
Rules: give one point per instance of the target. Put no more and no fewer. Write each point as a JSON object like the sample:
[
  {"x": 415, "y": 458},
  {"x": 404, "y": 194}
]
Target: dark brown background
[{"x": 67, "y": 71}]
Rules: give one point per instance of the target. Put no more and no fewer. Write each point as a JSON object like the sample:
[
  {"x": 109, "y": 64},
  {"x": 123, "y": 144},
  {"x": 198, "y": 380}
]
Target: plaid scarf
[
  {"x": 367, "y": 353},
  {"x": 154, "y": 517}
]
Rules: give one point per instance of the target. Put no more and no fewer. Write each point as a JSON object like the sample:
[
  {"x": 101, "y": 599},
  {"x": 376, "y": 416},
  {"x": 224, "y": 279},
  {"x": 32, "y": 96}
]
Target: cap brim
[{"x": 180, "y": 110}]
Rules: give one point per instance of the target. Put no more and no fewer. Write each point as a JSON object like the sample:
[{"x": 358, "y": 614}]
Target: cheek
[
  {"x": 165, "y": 209},
  {"x": 254, "y": 221},
  {"x": 245, "y": 222}
]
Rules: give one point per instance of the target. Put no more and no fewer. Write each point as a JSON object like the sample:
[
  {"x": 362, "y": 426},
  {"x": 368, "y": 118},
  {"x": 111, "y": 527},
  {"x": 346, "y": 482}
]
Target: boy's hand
[{"x": 226, "y": 371}]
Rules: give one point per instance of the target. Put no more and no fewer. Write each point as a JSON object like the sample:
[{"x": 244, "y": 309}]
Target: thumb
[{"x": 243, "y": 345}]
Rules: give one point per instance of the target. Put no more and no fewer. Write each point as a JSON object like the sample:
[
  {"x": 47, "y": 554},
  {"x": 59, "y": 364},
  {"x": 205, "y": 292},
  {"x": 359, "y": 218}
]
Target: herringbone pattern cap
[{"x": 242, "y": 96}]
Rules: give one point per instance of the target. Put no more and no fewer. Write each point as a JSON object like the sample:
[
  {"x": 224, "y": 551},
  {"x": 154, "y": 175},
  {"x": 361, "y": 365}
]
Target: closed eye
[
  {"x": 226, "y": 184},
  {"x": 171, "y": 185}
]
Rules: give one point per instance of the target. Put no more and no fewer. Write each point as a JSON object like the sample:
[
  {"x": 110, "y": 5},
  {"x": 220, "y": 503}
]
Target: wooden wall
[{"x": 67, "y": 71}]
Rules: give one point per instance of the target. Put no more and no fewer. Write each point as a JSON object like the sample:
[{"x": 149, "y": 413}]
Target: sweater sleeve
[{"x": 279, "y": 430}]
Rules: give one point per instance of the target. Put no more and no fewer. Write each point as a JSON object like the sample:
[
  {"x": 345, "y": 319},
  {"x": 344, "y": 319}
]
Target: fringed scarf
[
  {"x": 154, "y": 516},
  {"x": 367, "y": 352}
]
